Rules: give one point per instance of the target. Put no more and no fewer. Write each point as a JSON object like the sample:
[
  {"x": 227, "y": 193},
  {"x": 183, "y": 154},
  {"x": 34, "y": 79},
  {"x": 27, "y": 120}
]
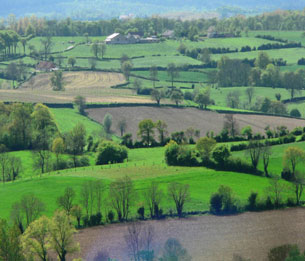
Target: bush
[
  {"x": 297, "y": 131},
  {"x": 221, "y": 154},
  {"x": 188, "y": 96},
  {"x": 141, "y": 212},
  {"x": 295, "y": 113},
  {"x": 216, "y": 203},
  {"x": 109, "y": 151},
  {"x": 179, "y": 155},
  {"x": 239, "y": 165},
  {"x": 287, "y": 175},
  {"x": 110, "y": 216},
  {"x": 252, "y": 204},
  {"x": 268, "y": 204},
  {"x": 223, "y": 201},
  {"x": 280, "y": 253}
]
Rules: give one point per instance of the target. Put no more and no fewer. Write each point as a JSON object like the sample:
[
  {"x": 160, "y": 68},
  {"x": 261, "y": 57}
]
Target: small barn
[
  {"x": 45, "y": 66},
  {"x": 212, "y": 33},
  {"x": 168, "y": 34},
  {"x": 117, "y": 38}
]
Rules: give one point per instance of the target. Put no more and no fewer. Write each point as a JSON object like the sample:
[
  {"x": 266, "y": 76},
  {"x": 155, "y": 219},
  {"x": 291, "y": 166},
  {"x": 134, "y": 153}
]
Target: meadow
[
  {"x": 276, "y": 159},
  {"x": 203, "y": 182}
]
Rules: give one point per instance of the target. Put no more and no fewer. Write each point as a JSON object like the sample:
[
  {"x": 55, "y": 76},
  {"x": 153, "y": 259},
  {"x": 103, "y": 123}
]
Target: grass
[
  {"x": 144, "y": 166},
  {"x": 202, "y": 184},
  {"x": 183, "y": 76},
  {"x": 276, "y": 159},
  {"x": 66, "y": 119},
  {"x": 291, "y": 55},
  {"x": 293, "y": 36},
  {"x": 219, "y": 95}
]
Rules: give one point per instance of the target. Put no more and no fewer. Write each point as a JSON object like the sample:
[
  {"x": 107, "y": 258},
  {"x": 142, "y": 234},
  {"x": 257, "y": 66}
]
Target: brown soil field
[
  {"x": 95, "y": 86},
  {"x": 179, "y": 119},
  {"x": 210, "y": 238}
]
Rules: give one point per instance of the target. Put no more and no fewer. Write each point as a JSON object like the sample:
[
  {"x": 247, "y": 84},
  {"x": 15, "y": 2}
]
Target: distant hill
[{"x": 99, "y": 9}]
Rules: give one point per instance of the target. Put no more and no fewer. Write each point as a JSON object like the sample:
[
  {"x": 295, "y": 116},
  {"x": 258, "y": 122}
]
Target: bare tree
[
  {"x": 276, "y": 190},
  {"x": 139, "y": 240},
  {"x": 98, "y": 195},
  {"x": 250, "y": 94},
  {"x": 32, "y": 207},
  {"x": 231, "y": 124},
  {"x": 266, "y": 153},
  {"x": 121, "y": 194},
  {"x": 47, "y": 44},
  {"x": 254, "y": 151},
  {"x": 133, "y": 240},
  {"x": 4, "y": 160},
  {"x": 122, "y": 126},
  {"x": 66, "y": 200},
  {"x": 41, "y": 160},
  {"x": 153, "y": 196},
  {"x": 88, "y": 196},
  {"x": 298, "y": 185},
  {"x": 180, "y": 194}
]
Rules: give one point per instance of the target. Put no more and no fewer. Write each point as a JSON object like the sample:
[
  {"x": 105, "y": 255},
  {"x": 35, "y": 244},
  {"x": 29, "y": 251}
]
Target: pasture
[{"x": 276, "y": 159}]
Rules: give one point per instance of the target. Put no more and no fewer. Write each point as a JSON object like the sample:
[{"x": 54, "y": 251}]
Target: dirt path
[{"x": 210, "y": 238}]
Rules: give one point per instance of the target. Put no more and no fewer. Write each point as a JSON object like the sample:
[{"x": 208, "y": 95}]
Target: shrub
[
  {"x": 216, "y": 203},
  {"x": 223, "y": 201},
  {"x": 252, "y": 204},
  {"x": 221, "y": 154},
  {"x": 287, "y": 174},
  {"x": 110, "y": 216},
  {"x": 179, "y": 155},
  {"x": 297, "y": 131},
  {"x": 295, "y": 113},
  {"x": 268, "y": 203},
  {"x": 280, "y": 253},
  {"x": 109, "y": 151},
  {"x": 188, "y": 96},
  {"x": 141, "y": 212}
]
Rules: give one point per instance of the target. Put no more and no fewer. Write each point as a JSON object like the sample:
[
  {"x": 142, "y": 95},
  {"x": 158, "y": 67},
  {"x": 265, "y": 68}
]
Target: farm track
[
  {"x": 210, "y": 238},
  {"x": 182, "y": 119}
]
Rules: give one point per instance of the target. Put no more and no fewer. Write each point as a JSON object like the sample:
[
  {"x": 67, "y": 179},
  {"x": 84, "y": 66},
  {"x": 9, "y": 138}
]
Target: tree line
[{"x": 192, "y": 29}]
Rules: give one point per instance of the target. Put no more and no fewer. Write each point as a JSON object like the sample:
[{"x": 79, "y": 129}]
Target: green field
[
  {"x": 66, "y": 119},
  {"x": 219, "y": 94},
  {"x": 276, "y": 159},
  {"x": 203, "y": 182},
  {"x": 144, "y": 166},
  {"x": 293, "y": 36},
  {"x": 183, "y": 76},
  {"x": 291, "y": 55}
]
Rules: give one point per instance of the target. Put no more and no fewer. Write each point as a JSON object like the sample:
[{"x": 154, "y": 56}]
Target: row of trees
[
  {"x": 234, "y": 72},
  {"x": 278, "y": 20}
]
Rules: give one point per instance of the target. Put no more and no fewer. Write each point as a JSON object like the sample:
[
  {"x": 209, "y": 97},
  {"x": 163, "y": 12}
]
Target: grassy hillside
[{"x": 66, "y": 119}]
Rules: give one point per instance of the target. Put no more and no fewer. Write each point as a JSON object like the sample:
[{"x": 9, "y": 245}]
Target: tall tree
[
  {"x": 146, "y": 131},
  {"x": 57, "y": 81},
  {"x": 153, "y": 72},
  {"x": 36, "y": 239},
  {"x": 47, "y": 44},
  {"x": 61, "y": 233},
  {"x": 180, "y": 194},
  {"x": 121, "y": 195},
  {"x": 173, "y": 72}
]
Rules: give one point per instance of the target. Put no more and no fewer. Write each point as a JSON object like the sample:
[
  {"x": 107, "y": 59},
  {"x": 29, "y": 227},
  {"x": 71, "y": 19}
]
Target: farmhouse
[
  {"x": 45, "y": 66},
  {"x": 118, "y": 38},
  {"x": 169, "y": 34}
]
